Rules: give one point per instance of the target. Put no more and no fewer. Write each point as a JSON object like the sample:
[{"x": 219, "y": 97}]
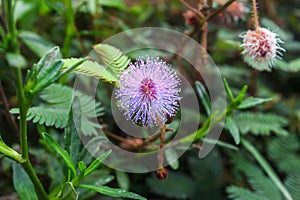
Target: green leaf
[
  {"x": 106, "y": 63},
  {"x": 233, "y": 129},
  {"x": 63, "y": 154},
  {"x": 260, "y": 123},
  {"x": 176, "y": 186},
  {"x": 73, "y": 144},
  {"x": 204, "y": 97},
  {"x": 91, "y": 68},
  {"x": 252, "y": 102},
  {"x": 55, "y": 109},
  {"x": 50, "y": 116},
  {"x": 220, "y": 143},
  {"x": 23, "y": 184},
  {"x": 68, "y": 192},
  {"x": 123, "y": 180},
  {"x": 172, "y": 158},
  {"x": 267, "y": 168},
  {"x": 113, "y": 192},
  {"x": 10, "y": 153},
  {"x": 96, "y": 163},
  {"x": 228, "y": 90},
  {"x": 239, "y": 193},
  {"x": 16, "y": 60},
  {"x": 119, "y": 4},
  {"x": 45, "y": 72},
  {"x": 81, "y": 167},
  {"x": 284, "y": 152},
  {"x": 293, "y": 184},
  {"x": 36, "y": 43}
]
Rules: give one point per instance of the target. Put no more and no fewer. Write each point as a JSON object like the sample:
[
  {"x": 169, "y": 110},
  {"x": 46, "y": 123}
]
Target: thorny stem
[
  {"x": 161, "y": 146},
  {"x": 255, "y": 16}
]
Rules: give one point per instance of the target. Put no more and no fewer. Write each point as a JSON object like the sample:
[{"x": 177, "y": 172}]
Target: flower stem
[
  {"x": 255, "y": 16},
  {"x": 161, "y": 146}
]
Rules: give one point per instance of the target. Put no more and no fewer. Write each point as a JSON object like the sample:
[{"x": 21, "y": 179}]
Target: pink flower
[
  {"x": 261, "y": 48},
  {"x": 148, "y": 92},
  {"x": 237, "y": 10}
]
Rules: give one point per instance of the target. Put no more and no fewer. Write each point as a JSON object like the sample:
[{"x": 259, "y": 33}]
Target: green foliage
[
  {"x": 260, "y": 123},
  {"x": 45, "y": 72},
  {"x": 106, "y": 63},
  {"x": 113, "y": 192},
  {"x": 292, "y": 66},
  {"x": 204, "y": 97},
  {"x": 283, "y": 152},
  {"x": 171, "y": 187},
  {"x": 292, "y": 183},
  {"x": 123, "y": 180},
  {"x": 238, "y": 193},
  {"x": 261, "y": 186},
  {"x": 22, "y": 183},
  {"x": 63, "y": 154},
  {"x": 55, "y": 110},
  {"x": 35, "y": 43},
  {"x": 68, "y": 192},
  {"x": 172, "y": 158}
]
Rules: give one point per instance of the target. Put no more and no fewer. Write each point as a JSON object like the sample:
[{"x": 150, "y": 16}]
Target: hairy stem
[
  {"x": 161, "y": 146},
  {"x": 255, "y": 16}
]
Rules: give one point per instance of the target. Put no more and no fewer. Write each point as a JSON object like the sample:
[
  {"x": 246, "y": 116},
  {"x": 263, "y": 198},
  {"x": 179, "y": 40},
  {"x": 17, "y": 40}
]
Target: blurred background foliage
[{"x": 226, "y": 172}]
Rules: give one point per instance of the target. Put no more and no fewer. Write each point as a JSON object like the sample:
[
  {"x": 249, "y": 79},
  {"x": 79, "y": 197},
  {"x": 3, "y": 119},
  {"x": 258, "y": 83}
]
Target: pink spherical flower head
[
  {"x": 261, "y": 48},
  {"x": 237, "y": 10},
  {"x": 148, "y": 92}
]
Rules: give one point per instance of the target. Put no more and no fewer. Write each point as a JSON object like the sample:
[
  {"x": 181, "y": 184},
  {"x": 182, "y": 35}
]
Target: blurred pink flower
[{"x": 261, "y": 48}]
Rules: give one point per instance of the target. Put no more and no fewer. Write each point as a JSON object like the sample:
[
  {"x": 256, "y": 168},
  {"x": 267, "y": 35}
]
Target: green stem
[
  {"x": 23, "y": 106},
  {"x": 10, "y": 153},
  {"x": 267, "y": 167},
  {"x": 12, "y": 31}
]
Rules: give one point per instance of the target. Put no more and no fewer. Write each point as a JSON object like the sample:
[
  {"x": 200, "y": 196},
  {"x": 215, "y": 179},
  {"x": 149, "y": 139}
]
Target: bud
[{"x": 161, "y": 173}]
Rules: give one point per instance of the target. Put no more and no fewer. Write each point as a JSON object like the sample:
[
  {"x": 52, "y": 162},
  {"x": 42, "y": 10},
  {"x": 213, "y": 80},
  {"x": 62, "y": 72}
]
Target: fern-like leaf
[
  {"x": 260, "y": 123},
  {"x": 239, "y": 193},
  {"x": 283, "y": 152},
  {"x": 262, "y": 186},
  {"x": 112, "y": 57},
  {"x": 54, "y": 111},
  {"x": 106, "y": 63},
  {"x": 293, "y": 185}
]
